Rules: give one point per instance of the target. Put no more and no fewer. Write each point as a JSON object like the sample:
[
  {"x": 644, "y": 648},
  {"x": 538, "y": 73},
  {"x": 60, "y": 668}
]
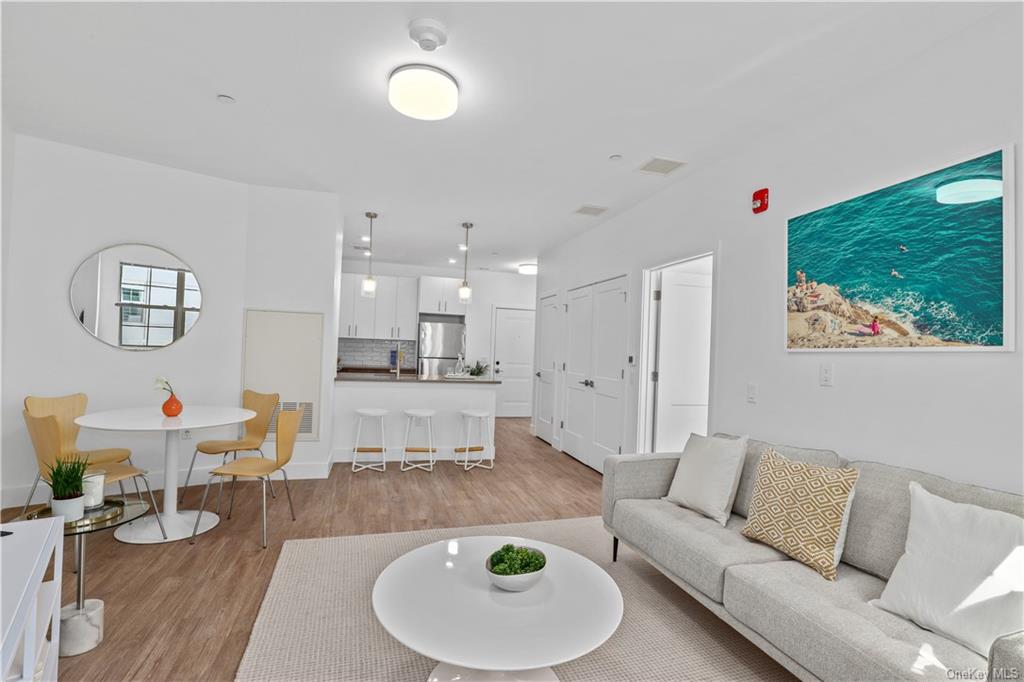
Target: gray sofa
[{"x": 815, "y": 628}]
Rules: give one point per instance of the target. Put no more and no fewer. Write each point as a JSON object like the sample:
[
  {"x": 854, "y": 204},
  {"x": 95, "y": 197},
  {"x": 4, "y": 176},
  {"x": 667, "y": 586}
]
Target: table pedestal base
[
  {"x": 179, "y": 525},
  {"x": 81, "y": 630},
  {"x": 453, "y": 673}
]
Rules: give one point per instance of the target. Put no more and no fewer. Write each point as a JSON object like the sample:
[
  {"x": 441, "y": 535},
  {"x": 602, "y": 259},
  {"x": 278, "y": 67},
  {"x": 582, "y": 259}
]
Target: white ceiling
[{"x": 549, "y": 91}]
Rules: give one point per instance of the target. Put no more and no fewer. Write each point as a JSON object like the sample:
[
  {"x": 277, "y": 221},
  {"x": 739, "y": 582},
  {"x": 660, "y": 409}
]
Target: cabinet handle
[
  {"x": 350, "y": 330},
  {"x": 357, "y": 330},
  {"x": 439, "y": 306},
  {"x": 446, "y": 305},
  {"x": 399, "y": 332}
]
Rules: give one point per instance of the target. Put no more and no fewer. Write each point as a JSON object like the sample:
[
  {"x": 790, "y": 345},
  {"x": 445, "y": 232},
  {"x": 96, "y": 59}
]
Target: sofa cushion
[
  {"x": 880, "y": 513},
  {"x": 830, "y": 629},
  {"x": 695, "y": 548},
  {"x": 756, "y": 448}
]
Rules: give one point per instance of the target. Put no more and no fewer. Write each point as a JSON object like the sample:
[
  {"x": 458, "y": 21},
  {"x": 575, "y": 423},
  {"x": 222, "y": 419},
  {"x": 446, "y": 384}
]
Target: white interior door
[
  {"x": 547, "y": 349},
  {"x": 684, "y": 356},
  {"x": 513, "y": 361},
  {"x": 608, "y": 372},
  {"x": 578, "y": 430}
]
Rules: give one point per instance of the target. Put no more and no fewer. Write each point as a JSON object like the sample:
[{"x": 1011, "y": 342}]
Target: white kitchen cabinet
[
  {"x": 386, "y": 305},
  {"x": 407, "y": 309},
  {"x": 357, "y": 313},
  {"x": 440, "y": 295}
]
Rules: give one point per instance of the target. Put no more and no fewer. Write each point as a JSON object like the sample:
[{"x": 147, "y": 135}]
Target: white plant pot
[
  {"x": 71, "y": 510},
  {"x": 92, "y": 488}
]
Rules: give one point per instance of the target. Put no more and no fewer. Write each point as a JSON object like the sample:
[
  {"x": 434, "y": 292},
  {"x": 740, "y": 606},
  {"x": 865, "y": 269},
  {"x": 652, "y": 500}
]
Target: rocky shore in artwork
[{"x": 819, "y": 316}]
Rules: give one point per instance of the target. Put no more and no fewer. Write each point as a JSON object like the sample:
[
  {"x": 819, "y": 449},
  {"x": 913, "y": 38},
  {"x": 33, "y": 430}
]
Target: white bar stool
[
  {"x": 426, "y": 417},
  {"x": 482, "y": 417},
  {"x": 369, "y": 413}
]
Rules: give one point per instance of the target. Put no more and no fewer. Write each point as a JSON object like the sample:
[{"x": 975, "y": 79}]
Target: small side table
[{"x": 81, "y": 623}]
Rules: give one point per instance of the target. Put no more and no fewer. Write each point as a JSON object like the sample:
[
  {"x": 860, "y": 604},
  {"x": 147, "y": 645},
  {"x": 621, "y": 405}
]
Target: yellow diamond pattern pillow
[{"x": 799, "y": 509}]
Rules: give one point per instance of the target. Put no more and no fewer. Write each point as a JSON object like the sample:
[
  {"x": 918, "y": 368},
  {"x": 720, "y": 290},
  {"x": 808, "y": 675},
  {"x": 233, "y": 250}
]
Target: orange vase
[{"x": 172, "y": 406}]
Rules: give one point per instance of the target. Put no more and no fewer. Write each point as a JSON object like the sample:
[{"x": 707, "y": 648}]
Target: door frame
[
  {"x": 495, "y": 307},
  {"x": 646, "y": 390}
]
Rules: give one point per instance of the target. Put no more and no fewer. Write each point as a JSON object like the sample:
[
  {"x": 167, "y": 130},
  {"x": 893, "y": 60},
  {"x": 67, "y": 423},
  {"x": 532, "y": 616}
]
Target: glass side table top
[{"x": 113, "y": 513}]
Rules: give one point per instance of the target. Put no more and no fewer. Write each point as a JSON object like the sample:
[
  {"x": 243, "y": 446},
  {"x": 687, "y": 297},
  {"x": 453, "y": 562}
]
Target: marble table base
[
  {"x": 445, "y": 672},
  {"x": 81, "y": 630}
]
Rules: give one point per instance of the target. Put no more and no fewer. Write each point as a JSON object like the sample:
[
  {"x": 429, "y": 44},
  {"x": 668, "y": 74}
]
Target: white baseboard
[{"x": 15, "y": 495}]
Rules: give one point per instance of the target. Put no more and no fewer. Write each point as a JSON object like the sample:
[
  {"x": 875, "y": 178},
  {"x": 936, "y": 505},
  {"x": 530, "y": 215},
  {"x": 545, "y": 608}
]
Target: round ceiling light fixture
[
  {"x": 423, "y": 92},
  {"x": 969, "y": 190},
  {"x": 527, "y": 268},
  {"x": 225, "y": 99}
]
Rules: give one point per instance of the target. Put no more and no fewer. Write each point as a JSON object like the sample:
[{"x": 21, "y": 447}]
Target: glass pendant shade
[
  {"x": 369, "y": 288},
  {"x": 465, "y": 293}
]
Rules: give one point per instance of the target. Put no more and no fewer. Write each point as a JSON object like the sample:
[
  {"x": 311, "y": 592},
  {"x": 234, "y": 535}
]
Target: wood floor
[{"x": 181, "y": 612}]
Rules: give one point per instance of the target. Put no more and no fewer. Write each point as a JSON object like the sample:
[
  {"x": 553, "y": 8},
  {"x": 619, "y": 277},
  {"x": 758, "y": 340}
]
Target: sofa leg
[{"x": 615, "y": 549}]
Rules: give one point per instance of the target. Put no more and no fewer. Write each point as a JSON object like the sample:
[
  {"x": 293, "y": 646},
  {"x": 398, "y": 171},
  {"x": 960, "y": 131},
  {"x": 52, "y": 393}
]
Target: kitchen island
[{"x": 381, "y": 389}]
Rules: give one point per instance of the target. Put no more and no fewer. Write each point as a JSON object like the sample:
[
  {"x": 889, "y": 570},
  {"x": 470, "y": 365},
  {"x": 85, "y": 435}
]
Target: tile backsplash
[{"x": 374, "y": 353}]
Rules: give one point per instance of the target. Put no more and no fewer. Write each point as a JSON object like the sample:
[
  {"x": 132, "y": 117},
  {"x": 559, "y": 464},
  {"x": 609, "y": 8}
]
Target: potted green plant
[
  {"x": 479, "y": 369},
  {"x": 515, "y": 569},
  {"x": 66, "y": 483}
]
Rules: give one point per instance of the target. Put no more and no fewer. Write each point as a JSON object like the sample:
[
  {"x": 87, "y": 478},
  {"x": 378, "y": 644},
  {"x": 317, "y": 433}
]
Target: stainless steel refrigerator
[{"x": 441, "y": 343}]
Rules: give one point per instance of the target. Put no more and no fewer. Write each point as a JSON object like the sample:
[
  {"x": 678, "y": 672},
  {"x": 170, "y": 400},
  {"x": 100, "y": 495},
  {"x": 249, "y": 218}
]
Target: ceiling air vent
[
  {"x": 658, "y": 166},
  {"x": 591, "y": 210},
  {"x": 359, "y": 247}
]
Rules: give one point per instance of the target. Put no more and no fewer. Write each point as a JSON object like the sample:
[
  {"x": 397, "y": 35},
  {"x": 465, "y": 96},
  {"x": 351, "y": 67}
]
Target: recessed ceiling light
[
  {"x": 969, "y": 190},
  {"x": 367, "y": 253},
  {"x": 225, "y": 99},
  {"x": 423, "y": 92},
  {"x": 462, "y": 247},
  {"x": 527, "y": 268},
  {"x": 452, "y": 261},
  {"x": 365, "y": 237}
]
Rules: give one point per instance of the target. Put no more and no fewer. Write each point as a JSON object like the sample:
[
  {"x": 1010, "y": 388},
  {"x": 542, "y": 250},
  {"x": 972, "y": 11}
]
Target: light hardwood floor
[{"x": 181, "y": 612}]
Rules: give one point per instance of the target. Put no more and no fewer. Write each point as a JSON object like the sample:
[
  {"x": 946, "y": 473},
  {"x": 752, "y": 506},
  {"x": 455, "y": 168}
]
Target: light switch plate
[{"x": 826, "y": 375}]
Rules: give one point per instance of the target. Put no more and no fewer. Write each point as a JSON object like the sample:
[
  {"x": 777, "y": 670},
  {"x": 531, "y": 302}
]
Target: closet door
[
  {"x": 544, "y": 410},
  {"x": 608, "y": 370},
  {"x": 578, "y": 432}
]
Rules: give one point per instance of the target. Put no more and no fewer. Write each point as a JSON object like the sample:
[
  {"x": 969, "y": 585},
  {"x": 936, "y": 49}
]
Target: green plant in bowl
[{"x": 515, "y": 569}]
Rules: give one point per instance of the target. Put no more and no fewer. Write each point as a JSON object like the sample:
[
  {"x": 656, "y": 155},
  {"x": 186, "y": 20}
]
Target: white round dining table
[{"x": 178, "y": 524}]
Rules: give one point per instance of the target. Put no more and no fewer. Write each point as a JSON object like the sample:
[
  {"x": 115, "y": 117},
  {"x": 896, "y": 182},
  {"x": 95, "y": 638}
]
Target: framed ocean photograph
[{"x": 922, "y": 265}]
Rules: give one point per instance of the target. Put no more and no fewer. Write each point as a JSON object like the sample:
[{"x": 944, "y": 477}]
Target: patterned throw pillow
[{"x": 800, "y": 509}]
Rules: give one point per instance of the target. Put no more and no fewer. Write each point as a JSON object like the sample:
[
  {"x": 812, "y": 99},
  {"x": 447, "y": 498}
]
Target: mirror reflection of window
[
  {"x": 135, "y": 297},
  {"x": 158, "y": 304}
]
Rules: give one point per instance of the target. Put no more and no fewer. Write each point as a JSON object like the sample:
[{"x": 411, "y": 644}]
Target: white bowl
[{"x": 516, "y": 583}]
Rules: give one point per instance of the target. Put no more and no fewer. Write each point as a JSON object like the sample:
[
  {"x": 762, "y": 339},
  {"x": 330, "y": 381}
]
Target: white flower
[{"x": 162, "y": 384}]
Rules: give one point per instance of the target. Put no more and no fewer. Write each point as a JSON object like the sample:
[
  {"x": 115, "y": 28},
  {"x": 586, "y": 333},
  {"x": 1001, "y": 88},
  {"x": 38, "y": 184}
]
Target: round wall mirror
[{"x": 135, "y": 296}]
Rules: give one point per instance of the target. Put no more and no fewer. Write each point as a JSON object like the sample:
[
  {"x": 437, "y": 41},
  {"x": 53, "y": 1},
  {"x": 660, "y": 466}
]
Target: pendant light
[
  {"x": 465, "y": 293},
  {"x": 369, "y": 287}
]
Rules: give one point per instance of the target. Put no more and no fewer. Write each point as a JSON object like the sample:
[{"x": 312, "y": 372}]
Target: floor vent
[
  {"x": 591, "y": 210},
  {"x": 658, "y": 166}
]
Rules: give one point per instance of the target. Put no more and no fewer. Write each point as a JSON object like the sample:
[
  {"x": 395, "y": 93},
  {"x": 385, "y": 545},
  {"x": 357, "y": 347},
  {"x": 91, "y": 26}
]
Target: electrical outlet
[
  {"x": 186, "y": 434},
  {"x": 752, "y": 393},
  {"x": 826, "y": 375}
]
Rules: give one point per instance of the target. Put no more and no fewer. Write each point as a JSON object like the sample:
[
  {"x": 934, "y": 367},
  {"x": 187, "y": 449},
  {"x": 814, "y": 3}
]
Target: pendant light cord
[{"x": 465, "y": 261}]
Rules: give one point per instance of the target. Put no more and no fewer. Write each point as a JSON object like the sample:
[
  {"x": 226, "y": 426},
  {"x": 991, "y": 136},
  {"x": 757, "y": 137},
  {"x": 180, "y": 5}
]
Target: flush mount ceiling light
[
  {"x": 365, "y": 237},
  {"x": 527, "y": 268},
  {"x": 369, "y": 286},
  {"x": 452, "y": 261},
  {"x": 463, "y": 247},
  {"x": 423, "y": 92},
  {"x": 969, "y": 190},
  {"x": 225, "y": 99}
]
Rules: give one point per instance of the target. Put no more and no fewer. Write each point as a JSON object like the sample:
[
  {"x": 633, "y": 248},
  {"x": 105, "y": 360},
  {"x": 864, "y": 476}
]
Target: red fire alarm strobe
[{"x": 760, "y": 201}]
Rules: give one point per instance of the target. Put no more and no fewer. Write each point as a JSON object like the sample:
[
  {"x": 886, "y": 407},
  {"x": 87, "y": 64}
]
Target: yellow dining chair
[
  {"x": 263, "y": 404},
  {"x": 47, "y": 438},
  {"x": 66, "y": 409},
  {"x": 258, "y": 467}
]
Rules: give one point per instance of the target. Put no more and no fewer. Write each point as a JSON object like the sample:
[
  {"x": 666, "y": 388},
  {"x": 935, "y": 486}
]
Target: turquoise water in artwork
[{"x": 952, "y": 268}]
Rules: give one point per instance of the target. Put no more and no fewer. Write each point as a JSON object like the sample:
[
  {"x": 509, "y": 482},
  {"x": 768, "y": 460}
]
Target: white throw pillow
[
  {"x": 962, "y": 574},
  {"x": 708, "y": 474}
]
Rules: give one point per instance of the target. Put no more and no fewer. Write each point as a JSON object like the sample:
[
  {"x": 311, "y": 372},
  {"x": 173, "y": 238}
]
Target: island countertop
[{"x": 410, "y": 378}]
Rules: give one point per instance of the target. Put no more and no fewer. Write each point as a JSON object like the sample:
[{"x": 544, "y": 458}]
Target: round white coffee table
[
  {"x": 438, "y": 601},
  {"x": 179, "y": 524}
]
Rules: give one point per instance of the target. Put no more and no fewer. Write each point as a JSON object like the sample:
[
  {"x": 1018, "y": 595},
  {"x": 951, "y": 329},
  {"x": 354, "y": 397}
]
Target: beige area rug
[{"x": 317, "y": 622}]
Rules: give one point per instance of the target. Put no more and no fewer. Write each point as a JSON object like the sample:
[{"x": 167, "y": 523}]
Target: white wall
[
  {"x": 293, "y": 256},
  {"x": 954, "y": 414},
  {"x": 490, "y": 289},
  {"x": 68, "y": 202}
]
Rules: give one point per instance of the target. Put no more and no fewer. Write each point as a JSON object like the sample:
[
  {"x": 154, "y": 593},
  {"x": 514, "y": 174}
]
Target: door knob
[
  {"x": 585, "y": 383},
  {"x": 537, "y": 374}
]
